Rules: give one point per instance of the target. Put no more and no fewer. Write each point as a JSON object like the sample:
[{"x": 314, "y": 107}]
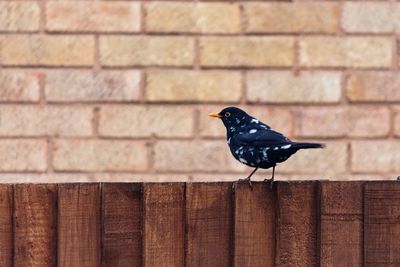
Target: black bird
[{"x": 255, "y": 144}]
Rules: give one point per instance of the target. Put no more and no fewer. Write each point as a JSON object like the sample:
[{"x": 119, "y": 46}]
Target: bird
[{"x": 255, "y": 143}]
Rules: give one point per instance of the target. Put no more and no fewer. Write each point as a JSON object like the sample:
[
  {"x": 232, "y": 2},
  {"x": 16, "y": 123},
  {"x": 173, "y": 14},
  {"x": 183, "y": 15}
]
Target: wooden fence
[{"x": 201, "y": 224}]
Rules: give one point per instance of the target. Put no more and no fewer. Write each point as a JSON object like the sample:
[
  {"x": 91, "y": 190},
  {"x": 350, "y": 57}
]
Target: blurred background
[{"x": 120, "y": 90}]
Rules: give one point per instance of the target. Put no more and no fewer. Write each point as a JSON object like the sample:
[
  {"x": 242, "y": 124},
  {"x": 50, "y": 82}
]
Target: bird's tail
[{"x": 308, "y": 145}]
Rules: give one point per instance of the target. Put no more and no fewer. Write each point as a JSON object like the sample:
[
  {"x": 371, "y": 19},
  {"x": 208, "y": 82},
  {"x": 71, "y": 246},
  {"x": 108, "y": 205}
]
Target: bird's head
[{"x": 231, "y": 116}]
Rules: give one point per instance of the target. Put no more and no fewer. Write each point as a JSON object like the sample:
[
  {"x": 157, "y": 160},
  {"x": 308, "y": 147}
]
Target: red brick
[{"x": 358, "y": 121}]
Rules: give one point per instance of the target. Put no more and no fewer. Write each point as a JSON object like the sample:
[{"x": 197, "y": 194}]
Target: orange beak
[{"x": 215, "y": 115}]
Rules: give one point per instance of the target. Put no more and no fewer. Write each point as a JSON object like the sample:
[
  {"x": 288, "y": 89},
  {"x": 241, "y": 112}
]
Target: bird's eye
[{"x": 227, "y": 114}]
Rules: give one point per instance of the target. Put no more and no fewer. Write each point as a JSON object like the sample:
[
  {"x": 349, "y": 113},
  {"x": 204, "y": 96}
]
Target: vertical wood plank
[
  {"x": 254, "y": 226},
  {"x": 297, "y": 224},
  {"x": 122, "y": 226},
  {"x": 209, "y": 224},
  {"x": 382, "y": 224},
  {"x": 35, "y": 225},
  {"x": 79, "y": 225},
  {"x": 164, "y": 229},
  {"x": 341, "y": 224},
  {"x": 6, "y": 225}
]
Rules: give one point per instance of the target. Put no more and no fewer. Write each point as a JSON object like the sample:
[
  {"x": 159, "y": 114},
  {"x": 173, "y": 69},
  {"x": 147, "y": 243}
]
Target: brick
[
  {"x": 93, "y": 16},
  {"x": 192, "y": 17},
  {"x": 370, "y": 17},
  {"x": 55, "y": 50},
  {"x": 286, "y": 87},
  {"x": 19, "y": 86},
  {"x": 144, "y": 121},
  {"x": 278, "y": 118},
  {"x": 379, "y": 156},
  {"x": 19, "y": 16},
  {"x": 352, "y": 51},
  {"x": 331, "y": 160},
  {"x": 85, "y": 85},
  {"x": 100, "y": 155},
  {"x": 341, "y": 122},
  {"x": 291, "y": 17},
  {"x": 373, "y": 86},
  {"x": 207, "y": 156},
  {"x": 45, "y": 178},
  {"x": 247, "y": 51},
  {"x": 47, "y": 121},
  {"x": 22, "y": 155},
  {"x": 212, "y": 86},
  {"x": 146, "y": 50},
  {"x": 396, "y": 121}
]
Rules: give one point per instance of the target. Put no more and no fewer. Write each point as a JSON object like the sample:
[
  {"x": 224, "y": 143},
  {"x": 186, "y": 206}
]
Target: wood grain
[
  {"x": 164, "y": 227},
  {"x": 297, "y": 224},
  {"x": 79, "y": 225},
  {"x": 341, "y": 224},
  {"x": 35, "y": 225},
  {"x": 122, "y": 225},
  {"x": 254, "y": 226},
  {"x": 209, "y": 224},
  {"x": 6, "y": 225},
  {"x": 382, "y": 224}
]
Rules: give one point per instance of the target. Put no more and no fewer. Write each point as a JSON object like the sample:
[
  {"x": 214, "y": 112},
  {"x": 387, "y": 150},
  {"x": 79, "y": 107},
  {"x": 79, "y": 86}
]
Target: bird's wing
[{"x": 264, "y": 137}]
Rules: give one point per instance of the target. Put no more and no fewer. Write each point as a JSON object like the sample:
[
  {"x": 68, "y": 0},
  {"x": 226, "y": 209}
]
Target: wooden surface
[
  {"x": 164, "y": 225},
  {"x": 209, "y": 224},
  {"x": 6, "y": 225},
  {"x": 382, "y": 224},
  {"x": 122, "y": 225},
  {"x": 79, "y": 225},
  {"x": 296, "y": 224},
  {"x": 35, "y": 225}
]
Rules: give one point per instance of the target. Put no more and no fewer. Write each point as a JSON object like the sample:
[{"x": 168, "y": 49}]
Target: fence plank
[
  {"x": 79, "y": 225},
  {"x": 341, "y": 224},
  {"x": 297, "y": 224},
  {"x": 164, "y": 228},
  {"x": 122, "y": 226},
  {"x": 35, "y": 225},
  {"x": 6, "y": 225},
  {"x": 209, "y": 222},
  {"x": 254, "y": 226},
  {"x": 382, "y": 224}
]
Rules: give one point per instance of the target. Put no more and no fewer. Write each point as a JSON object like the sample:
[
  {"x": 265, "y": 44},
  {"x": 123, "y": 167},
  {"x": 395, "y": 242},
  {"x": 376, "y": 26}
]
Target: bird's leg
[
  {"x": 248, "y": 179},
  {"x": 271, "y": 181}
]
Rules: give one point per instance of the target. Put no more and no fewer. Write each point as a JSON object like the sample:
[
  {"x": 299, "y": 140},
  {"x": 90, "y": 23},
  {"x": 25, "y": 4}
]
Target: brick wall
[{"x": 98, "y": 90}]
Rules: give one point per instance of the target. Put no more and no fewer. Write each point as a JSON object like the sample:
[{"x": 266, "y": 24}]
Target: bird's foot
[
  {"x": 398, "y": 178},
  {"x": 248, "y": 180},
  {"x": 270, "y": 181}
]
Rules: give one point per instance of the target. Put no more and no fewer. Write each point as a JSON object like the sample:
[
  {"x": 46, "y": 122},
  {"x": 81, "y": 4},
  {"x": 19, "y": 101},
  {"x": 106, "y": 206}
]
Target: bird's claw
[
  {"x": 243, "y": 180},
  {"x": 270, "y": 181}
]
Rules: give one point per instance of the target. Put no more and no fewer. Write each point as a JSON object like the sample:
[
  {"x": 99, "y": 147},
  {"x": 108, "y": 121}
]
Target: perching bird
[{"x": 254, "y": 143}]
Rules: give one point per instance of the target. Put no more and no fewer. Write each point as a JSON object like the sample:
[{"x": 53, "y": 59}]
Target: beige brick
[
  {"x": 247, "y": 51},
  {"x": 328, "y": 161},
  {"x": 375, "y": 156},
  {"x": 85, "y": 85},
  {"x": 89, "y": 16},
  {"x": 221, "y": 86},
  {"x": 353, "y": 121},
  {"x": 371, "y": 17},
  {"x": 47, "y": 121},
  {"x": 396, "y": 121},
  {"x": 100, "y": 155},
  {"x": 19, "y": 16},
  {"x": 55, "y": 50},
  {"x": 352, "y": 51},
  {"x": 22, "y": 155},
  {"x": 291, "y": 17},
  {"x": 146, "y": 50},
  {"x": 142, "y": 121},
  {"x": 373, "y": 86},
  {"x": 278, "y": 118},
  {"x": 208, "y": 156},
  {"x": 192, "y": 17},
  {"x": 286, "y": 87},
  {"x": 19, "y": 86}
]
